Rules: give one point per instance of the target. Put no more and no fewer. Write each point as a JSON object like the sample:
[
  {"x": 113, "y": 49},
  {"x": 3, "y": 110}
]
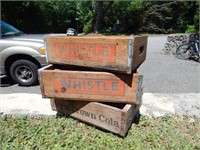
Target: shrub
[
  {"x": 190, "y": 29},
  {"x": 88, "y": 27}
]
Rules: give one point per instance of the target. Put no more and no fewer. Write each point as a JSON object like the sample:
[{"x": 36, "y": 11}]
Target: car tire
[{"x": 24, "y": 72}]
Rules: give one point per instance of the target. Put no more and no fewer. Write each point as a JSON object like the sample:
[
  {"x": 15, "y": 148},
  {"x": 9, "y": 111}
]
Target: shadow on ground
[{"x": 6, "y": 82}]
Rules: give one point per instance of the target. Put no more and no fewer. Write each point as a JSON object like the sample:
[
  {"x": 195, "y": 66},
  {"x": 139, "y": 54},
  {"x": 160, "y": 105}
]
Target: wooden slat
[
  {"x": 115, "y": 118},
  {"x": 104, "y": 52},
  {"x": 89, "y": 85}
]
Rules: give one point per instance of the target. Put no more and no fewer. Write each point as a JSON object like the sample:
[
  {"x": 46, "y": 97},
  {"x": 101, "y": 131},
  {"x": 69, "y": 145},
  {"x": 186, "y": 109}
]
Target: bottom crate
[{"x": 114, "y": 117}]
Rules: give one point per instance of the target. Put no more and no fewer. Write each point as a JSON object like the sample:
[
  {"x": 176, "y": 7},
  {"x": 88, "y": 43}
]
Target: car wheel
[{"x": 24, "y": 72}]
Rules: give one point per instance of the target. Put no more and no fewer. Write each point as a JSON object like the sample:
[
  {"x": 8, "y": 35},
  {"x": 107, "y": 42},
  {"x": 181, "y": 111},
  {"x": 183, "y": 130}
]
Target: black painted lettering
[
  {"x": 72, "y": 49},
  {"x": 89, "y": 50},
  {"x": 97, "y": 52},
  {"x": 101, "y": 118},
  {"x": 104, "y": 87},
  {"x": 87, "y": 114},
  {"x": 106, "y": 51},
  {"x": 62, "y": 83},
  {"x": 115, "y": 86},
  {"x": 65, "y": 83},
  {"x": 78, "y": 50},
  {"x": 64, "y": 49},
  {"x": 81, "y": 112},
  {"x": 90, "y": 85},
  {"x": 98, "y": 84},
  {"x": 70, "y": 108},
  {"x": 108, "y": 121},
  {"x": 84, "y": 85},
  {"x": 77, "y": 111},
  {"x": 77, "y": 84},
  {"x": 93, "y": 116},
  {"x": 116, "y": 124}
]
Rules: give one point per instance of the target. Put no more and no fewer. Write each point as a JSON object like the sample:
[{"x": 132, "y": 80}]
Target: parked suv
[{"x": 21, "y": 55}]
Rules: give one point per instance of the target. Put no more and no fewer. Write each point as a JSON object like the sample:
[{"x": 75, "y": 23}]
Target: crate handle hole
[{"x": 141, "y": 50}]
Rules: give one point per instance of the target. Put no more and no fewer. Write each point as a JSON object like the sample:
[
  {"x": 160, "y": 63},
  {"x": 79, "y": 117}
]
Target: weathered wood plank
[
  {"x": 89, "y": 85},
  {"x": 116, "y": 118}
]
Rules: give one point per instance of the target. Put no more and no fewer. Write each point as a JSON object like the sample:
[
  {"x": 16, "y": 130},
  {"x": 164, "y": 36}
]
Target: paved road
[
  {"x": 170, "y": 86},
  {"x": 167, "y": 74}
]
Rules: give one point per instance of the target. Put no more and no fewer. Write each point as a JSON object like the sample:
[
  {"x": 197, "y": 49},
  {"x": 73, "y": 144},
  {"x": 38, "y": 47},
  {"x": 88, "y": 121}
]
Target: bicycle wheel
[{"x": 184, "y": 51}]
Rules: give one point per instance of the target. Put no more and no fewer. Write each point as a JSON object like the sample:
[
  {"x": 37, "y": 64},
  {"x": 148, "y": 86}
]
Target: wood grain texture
[
  {"x": 88, "y": 85},
  {"x": 115, "y": 118},
  {"x": 139, "y": 51},
  {"x": 104, "y": 52}
]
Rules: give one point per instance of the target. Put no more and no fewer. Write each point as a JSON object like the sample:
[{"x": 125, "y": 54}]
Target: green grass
[{"x": 24, "y": 133}]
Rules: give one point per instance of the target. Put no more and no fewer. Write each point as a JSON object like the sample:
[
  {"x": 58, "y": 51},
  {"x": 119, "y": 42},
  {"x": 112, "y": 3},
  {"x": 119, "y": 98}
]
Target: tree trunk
[{"x": 99, "y": 17}]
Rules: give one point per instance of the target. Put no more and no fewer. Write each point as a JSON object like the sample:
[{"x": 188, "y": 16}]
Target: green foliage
[
  {"x": 168, "y": 132},
  {"x": 122, "y": 16},
  {"x": 129, "y": 15},
  {"x": 190, "y": 16},
  {"x": 88, "y": 27},
  {"x": 190, "y": 29},
  {"x": 86, "y": 15},
  {"x": 57, "y": 16},
  {"x": 40, "y": 16},
  {"x": 159, "y": 17},
  {"x": 85, "y": 11},
  {"x": 135, "y": 5},
  {"x": 196, "y": 18}
]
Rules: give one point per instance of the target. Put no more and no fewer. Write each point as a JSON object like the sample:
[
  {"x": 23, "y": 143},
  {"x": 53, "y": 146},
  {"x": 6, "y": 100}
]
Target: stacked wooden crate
[{"x": 95, "y": 79}]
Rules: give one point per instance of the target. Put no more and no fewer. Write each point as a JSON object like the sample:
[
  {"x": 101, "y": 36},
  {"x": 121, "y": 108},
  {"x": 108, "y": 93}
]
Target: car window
[{"x": 7, "y": 29}]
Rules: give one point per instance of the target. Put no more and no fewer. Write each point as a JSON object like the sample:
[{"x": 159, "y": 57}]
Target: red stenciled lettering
[
  {"x": 94, "y": 52},
  {"x": 89, "y": 86}
]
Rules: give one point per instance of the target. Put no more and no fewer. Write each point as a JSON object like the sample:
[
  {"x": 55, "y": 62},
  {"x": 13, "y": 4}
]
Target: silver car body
[{"x": 21, "y": 45}]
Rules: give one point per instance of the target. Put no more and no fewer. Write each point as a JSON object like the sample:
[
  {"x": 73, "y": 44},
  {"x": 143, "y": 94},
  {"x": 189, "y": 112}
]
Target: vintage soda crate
[
  {"x": 67, "y": 83},
  {"x": 116, "y": 53},
  {"x": 113, "y": 117}
]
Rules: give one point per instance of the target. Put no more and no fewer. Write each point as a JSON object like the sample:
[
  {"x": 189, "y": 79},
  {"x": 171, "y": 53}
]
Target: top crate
[{"x": 115, "y": 53}]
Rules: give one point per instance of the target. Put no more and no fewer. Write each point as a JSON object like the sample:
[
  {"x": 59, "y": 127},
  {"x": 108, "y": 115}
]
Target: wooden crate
[
  {"x": 67, "y": 83},
  {"x": 117, "y": 53},
  {"x": 113, "y": 117}
]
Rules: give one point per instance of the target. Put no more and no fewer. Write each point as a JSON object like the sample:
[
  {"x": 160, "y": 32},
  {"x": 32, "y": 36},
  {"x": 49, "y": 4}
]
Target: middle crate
[{"x": 65, "y": 82}]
